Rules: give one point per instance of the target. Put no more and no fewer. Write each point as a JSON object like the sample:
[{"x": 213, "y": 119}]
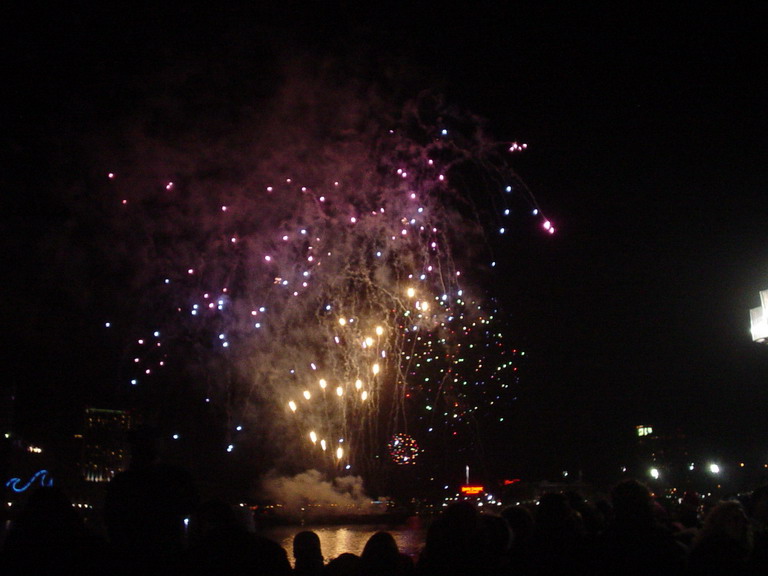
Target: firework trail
[{"x": 319, "y": 278}]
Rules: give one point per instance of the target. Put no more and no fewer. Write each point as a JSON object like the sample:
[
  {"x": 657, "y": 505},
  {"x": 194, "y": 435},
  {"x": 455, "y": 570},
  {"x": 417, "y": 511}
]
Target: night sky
[{"x": 646, "y": 148}]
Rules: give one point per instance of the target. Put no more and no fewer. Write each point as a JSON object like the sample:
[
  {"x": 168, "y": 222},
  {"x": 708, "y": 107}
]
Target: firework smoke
[
  {"x": 340, "y": 495},
  {"x": 314, "y": 274}
]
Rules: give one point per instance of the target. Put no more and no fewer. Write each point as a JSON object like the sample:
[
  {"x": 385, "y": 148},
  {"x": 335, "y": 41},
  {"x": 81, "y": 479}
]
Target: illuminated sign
[
  {"x": 16, "y": 485},
  {"x": 471, "y": 490},
  {"x": 644, "y": 430}
]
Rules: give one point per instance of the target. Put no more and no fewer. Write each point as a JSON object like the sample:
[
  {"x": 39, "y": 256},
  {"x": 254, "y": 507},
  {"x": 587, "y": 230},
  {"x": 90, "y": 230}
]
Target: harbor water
[{"x": 336, "y": 540}]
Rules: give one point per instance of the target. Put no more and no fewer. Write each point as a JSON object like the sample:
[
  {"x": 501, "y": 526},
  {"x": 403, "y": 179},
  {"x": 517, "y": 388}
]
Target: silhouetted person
[
  {"x": 456, "y": 544},
  {"x": 381, "y": 557},
  {"x": 144, "y": 511},
  {"x": 49, "y": 537},
  {"x": 521, "y": 523},
  {"x": 346, "y": 564},
  {"x": 688, "y": 511},
  {"x": 634, "y": 543},
  {"x": 307, "y": 554},
  {"x": 724, "y": 544},
  {"x": 557, "y": 545},
  {"x": 757, "y": 511},
  {"x": 592, "y": 517},
  {"x": 499, "y": 544},
  {"x": 223, "y": 545},
  {"x": 687, "y": 519}
]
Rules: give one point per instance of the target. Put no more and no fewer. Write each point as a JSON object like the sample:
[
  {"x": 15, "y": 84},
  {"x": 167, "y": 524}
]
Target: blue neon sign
[{"x": 42, "y": 475}]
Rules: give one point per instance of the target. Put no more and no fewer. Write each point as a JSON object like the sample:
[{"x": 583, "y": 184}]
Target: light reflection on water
[{"x": 335, "y": 540}]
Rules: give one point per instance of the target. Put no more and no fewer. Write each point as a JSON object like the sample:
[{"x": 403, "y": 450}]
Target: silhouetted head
[
  {"x": 758, "y": 504},
  {"x": 726, "y": 519},
  {"x": 462, "y": 514},
  {"x": 306, "y": 546},
  {"x": 346, "y": 564},
  {"x": 380, "y": 554},
  {"x": 553, "y": 509},
  {"x": 499, "y": 533},
  {"x": 520, "y": 521},
  {"x": 381, "y": 543},
  {"x": 632, "y": 500}
]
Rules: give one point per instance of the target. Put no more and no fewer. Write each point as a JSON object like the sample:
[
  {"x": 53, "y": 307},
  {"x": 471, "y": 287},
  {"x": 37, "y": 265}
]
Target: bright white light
[
  {"x": 759, "y": 319},
  {"x": 714, "y": 468},
  {"x": 654, "y": 472}
]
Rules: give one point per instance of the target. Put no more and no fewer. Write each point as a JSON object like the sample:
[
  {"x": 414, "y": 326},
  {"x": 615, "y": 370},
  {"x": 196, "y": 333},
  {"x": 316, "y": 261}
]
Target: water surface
[{"x": 335, "y": 540}]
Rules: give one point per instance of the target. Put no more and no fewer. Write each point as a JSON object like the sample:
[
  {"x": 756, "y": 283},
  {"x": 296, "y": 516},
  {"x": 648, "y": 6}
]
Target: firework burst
[{"x": 328, "y": 293}]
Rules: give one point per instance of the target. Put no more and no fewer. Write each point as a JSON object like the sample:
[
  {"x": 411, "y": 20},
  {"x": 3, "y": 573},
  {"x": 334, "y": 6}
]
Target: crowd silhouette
[{"x": 156, "y": 523}]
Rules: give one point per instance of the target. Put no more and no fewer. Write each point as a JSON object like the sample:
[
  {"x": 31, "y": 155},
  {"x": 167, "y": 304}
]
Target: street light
[{"x": 759, "y": 319}]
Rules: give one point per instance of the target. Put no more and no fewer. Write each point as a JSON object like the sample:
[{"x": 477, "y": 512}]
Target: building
[
  {"x": 662, "y": 456},
  {"x": 105, "y": 449}
]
